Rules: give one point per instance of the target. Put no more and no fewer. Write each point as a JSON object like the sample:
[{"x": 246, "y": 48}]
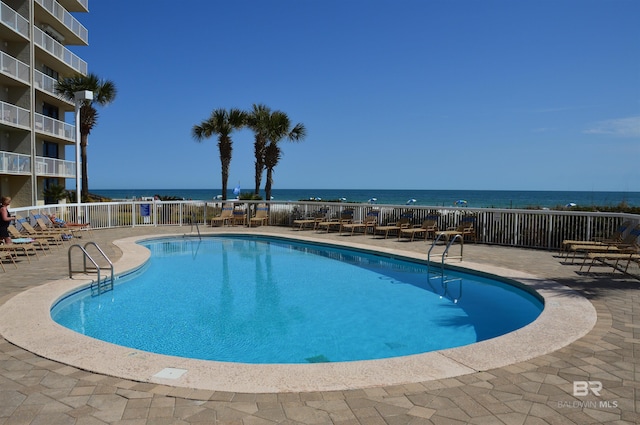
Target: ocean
[{"x": 469, "y": 198}]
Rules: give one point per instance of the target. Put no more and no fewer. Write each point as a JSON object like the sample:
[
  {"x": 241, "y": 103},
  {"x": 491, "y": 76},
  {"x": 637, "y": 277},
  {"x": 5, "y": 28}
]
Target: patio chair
[
  {"x": 312, "y": 222},
  {"x": 466, "y": 228},
  {"x": 74, "y": 228},
  {"x": 616, "y": 236},
  {"x": 345, "y": 217},
  {"x": 4, "y": 256},
  {"x": 428, "y": 227},
  {"x": 371, "y": 221},
  {"x": 22, "y": 245},
  {"x": 41, "y": 243},
  {"x": 262, "y": 216},
  {"x": 44, "y": 227},
  {"x": 238, "y": 217},
  {"x": 602, "y": 257},
  {"x": 403, "y": 223},
  {"x": 628, "y": 244},
  {"x": 27, "y": 229},
  {"x": 225, "y": 216}
]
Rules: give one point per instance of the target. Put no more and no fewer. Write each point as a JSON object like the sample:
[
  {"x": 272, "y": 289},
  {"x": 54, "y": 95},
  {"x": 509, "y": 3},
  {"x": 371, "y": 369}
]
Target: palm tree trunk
[
  {"x": 267, "y": 185},
  {"x": 225, "y": 176},
  {"x": 258, "y": 178}
]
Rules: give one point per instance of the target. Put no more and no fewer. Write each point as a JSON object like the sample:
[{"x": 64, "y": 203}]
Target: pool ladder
[
  {"x": 98, "y": 286},
  {"x": 444, "y": 281}
]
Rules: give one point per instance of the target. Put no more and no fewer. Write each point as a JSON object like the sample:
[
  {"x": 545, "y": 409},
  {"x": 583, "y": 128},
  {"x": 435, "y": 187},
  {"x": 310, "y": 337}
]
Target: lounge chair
[
  {"x": 628, "y": 244},
  {"x": 617, "y": 256},
  {"x": 22, "y": 245},
  {"x": 616, "y": 236},
  {"x": 74, "y": 228},
  {"x": 42, "y": 242},
  {"x": 225, "y": 216},
  {"x": 312, "y": 222},
  {"x": 4, "y": 256},
  {"x": 262, "y": 216},
  {"x": 428, "y": 227},
  {"x": 42, "y": 226},
  {"x": 370, "y": 221},
  {"x": 239, "y": 217},
  {"x": 27, "y": 229},
  {"x": 403, "y": 223},
  {"x": 466, "y": 228},
  {"x": 345, "y": 218}
]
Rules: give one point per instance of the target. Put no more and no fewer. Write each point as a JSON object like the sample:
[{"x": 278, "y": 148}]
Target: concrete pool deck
[{"x": 516, "y": 380}]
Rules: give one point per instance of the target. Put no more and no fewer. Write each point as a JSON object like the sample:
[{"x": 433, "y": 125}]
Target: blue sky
[{"x": 410, "y": 94}]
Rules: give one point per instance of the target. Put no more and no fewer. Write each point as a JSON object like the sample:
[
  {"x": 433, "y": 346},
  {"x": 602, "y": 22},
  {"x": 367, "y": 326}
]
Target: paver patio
[{"x": 34, "y": 390}]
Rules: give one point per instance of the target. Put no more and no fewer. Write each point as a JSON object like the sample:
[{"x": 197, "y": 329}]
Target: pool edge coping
[{"x": 25, "y": 322}]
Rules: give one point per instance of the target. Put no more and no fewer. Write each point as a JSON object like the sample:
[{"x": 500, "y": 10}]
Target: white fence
[{"x": 543, "y": 229}]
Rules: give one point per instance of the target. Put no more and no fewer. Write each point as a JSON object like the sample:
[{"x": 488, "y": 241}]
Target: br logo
[{"x": 582, "y": 388}]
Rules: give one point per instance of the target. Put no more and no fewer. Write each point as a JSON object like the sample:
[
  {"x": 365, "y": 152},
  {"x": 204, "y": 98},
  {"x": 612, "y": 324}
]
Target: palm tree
[
  {"x": 222, "y": 123},
  {"x": 279, "y": 128},
  {"x": 258, "y": 121},
  {"x": 104, "y": 92}
]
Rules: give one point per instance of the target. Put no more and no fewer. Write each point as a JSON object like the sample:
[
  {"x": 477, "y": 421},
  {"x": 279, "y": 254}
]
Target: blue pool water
[{"x": 264, "y": 300}]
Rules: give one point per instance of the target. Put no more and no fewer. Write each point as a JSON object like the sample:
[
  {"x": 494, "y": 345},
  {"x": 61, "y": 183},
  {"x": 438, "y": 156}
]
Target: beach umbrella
[
  {"x": 236, "y": 191},
  {"x": 411, "y": 201},
  {"x": 343, "y": 199},
  {"x": 372, "y": 200},
  {"x": 571, "y": 204},
  {"x": 461, "y": 202}
]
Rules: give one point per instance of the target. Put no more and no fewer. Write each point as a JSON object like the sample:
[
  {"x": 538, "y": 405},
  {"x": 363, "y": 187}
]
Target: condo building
[{"x": 34, "y": 35}]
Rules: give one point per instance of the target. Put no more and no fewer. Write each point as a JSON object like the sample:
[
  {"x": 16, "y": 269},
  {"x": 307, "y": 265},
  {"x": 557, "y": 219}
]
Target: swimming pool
[{"x": 256, "y": 299}]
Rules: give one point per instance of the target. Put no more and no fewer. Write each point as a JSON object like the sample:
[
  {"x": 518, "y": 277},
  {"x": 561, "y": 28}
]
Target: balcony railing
[
  {"x": 14, "y": 20},
  {"x": 65, "y": 18},
  {"x": 57, "y": 128},
  {"x": 53, "y": 167},
  {"x": 72, "y": 5},
  {"x": 14, "y": 115},
  {"x": 14, "y": 68},
  {"x": 16, "y": 163},
  {"x": 47, "y": 84},
  {"x": 47, "y": 43}
]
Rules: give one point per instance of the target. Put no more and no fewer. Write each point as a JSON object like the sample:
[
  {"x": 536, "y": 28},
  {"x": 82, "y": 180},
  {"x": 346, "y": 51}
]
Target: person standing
[{"x": 5, "y": 220}]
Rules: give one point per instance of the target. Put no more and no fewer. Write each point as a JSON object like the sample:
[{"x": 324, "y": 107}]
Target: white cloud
[{"x": 621, "y": 127}]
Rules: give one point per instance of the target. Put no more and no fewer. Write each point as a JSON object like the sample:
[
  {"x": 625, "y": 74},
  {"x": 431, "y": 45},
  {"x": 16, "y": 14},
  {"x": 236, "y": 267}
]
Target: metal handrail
[
  {"x": 96, "y": 267},
  {"x": 194, "y": 222},
  {"x": 451, "y": 241}
]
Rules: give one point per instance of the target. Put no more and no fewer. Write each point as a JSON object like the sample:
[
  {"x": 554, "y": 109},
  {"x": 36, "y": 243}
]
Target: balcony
[
  {"x": 20, "y": 164},
  {"x": 14, "y": 68},
  {"x": 55, "y": 128},
  {"x": 75, "y": 5},
  {"x": 74, "y": 32},
  {"x": 57, "y": 50},
  {"x": 15, "y": 116},
  {"x": 48, "y": 85},
  {"x": 13, "y": 20}
]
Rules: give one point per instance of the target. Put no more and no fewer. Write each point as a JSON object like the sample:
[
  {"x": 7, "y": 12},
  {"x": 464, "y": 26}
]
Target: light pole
[{"x": 80, "y": 97}]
